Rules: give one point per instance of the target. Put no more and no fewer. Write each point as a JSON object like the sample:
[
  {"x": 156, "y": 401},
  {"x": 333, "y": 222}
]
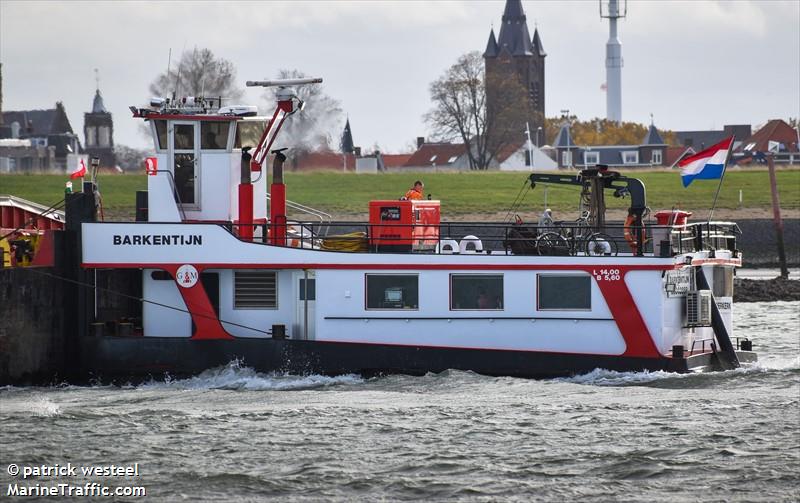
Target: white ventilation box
[{"x": 698, "y": 308}]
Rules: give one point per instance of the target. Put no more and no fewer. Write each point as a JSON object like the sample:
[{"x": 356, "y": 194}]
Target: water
[{"x": 233, "y": 434}]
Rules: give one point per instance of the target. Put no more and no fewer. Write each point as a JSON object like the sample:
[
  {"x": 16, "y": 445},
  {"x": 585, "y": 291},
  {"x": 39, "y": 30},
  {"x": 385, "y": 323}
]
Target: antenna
[
  {"x": 97, "y": 78},
  {"x": 178, "y": 75},
  {"x": 169, "y": 62}
]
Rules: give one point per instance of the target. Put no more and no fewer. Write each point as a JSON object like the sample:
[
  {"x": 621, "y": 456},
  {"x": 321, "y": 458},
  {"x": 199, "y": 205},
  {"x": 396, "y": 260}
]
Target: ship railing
[
  {"x": 558, "y": 239},
  {"x": 321, "y": 216},
  {"x": 704, "y": 236}
]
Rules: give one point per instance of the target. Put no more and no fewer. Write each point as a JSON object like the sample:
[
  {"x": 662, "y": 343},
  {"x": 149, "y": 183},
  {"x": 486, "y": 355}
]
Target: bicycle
[{"x": 571, "y": 240}]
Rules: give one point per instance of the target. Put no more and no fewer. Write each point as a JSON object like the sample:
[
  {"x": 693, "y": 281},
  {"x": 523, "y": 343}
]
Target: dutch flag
[{"x": 706, "y": 165}]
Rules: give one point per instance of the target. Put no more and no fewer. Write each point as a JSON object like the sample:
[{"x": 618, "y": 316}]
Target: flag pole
[{"x": 724, "y": 169}]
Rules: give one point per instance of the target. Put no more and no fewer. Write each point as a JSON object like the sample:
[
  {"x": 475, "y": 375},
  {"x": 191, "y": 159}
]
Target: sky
[{"x": 692, "y": 64}]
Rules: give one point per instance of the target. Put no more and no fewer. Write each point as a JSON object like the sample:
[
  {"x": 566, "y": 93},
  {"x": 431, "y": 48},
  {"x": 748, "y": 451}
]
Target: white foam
[
  {"x": 602, "y": 377},
  {"x": 236, "y": 377},
  {"x": 36, "y": 405}
]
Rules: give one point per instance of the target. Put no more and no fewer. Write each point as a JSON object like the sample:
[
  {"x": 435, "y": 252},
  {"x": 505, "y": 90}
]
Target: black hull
[{"x": 141, "y": 357}]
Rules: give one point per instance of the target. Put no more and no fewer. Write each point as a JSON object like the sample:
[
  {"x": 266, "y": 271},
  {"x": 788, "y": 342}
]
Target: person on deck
[{"x": 415, "y": 192}]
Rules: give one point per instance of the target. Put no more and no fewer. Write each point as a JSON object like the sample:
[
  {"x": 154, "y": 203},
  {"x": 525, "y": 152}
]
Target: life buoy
[
  {"x": 477, "y": 245},
  {"x": 630, "y": 233},
  {"x": 447, "y": 246}
]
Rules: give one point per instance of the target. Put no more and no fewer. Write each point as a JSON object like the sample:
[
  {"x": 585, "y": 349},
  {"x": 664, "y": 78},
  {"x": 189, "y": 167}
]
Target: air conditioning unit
[{"x": 698, "y": 308}]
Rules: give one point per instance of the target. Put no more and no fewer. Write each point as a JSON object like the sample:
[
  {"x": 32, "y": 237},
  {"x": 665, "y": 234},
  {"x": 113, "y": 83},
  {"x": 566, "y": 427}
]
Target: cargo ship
[{"x": 214, "y": 270}]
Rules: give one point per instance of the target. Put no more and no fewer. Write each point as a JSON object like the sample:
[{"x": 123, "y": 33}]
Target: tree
[
  {"x": 313, "y": 127},
  {"x": 596, "y": 132},
  {"x": 131, "y": 159},
  {"x": 459, "y": 110},
  {"x": 198, "y": 73}
]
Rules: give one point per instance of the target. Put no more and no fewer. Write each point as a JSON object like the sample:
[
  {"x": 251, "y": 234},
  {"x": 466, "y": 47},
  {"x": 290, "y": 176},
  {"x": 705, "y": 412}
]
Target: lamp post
[{"x": 538, "y": 142}]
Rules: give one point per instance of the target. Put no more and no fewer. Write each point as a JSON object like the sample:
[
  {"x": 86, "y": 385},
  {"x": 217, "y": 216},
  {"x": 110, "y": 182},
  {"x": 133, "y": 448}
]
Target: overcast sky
[{"x": 692, "y": 64}]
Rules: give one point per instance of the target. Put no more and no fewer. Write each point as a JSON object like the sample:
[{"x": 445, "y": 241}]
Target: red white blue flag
[{"x": 708, "y": 164}]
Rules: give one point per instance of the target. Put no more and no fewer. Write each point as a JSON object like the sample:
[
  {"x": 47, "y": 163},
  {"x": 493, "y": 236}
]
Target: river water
[{"x": 233, "y": 434}]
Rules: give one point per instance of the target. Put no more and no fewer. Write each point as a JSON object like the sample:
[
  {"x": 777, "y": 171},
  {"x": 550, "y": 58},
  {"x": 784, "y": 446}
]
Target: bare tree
[
  {"x": 198, "y": 73},
  {"x": 315, "y": 126},
  {"x": 460, "y": 110}
]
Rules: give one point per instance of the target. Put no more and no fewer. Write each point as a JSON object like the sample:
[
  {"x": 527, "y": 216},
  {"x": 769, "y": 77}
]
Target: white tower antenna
[{"x": 613, "y": 58}]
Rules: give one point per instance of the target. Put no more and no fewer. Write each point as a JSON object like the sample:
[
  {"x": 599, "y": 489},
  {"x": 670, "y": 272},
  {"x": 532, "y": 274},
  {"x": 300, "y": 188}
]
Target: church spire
[
  {"x": 537, "y": 43},
  {"x": 97, "y": 105},
  {"x": 514, "y": 35},
  {"x": 491, "y": 46}
]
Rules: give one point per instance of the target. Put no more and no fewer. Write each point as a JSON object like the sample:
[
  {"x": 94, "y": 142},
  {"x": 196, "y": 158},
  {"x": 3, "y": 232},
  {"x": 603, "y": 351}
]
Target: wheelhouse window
[
  {"x": 214, "y": 135},
  {"x": 564, "y": 292},
  {"x": 591, "y": 158},
  {"x": 248, "y": 133},
  {"x": 254, "y": 289},
  {"x": 392, "y": 291},
  {"x": 476, "y": 292},
  {"x": 161, "y": 133},
  {"x": 184, "y": 137}
]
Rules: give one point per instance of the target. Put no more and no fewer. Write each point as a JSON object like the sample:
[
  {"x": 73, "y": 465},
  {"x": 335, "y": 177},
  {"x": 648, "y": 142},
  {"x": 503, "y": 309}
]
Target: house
[
  {"x": 437, "y": 156},
  {"x": 315, "y": 161},
  {"x": 523, "y": 156},
  {"x": 649, "y": 153},
  {"x": 48, "y": 129},
  {"x": 700, "y": 140},
  {"x": 777, "y": 137}
]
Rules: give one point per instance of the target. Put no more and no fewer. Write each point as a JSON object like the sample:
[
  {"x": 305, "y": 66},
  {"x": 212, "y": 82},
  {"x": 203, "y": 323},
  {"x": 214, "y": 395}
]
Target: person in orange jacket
[{"x": 415, "y": 192}]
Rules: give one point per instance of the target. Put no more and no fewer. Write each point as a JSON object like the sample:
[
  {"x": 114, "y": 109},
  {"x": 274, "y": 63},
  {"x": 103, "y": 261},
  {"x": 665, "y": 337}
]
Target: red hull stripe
[
  {"x": 368, "y": 267},
  {"x": 638, "y": 340}
]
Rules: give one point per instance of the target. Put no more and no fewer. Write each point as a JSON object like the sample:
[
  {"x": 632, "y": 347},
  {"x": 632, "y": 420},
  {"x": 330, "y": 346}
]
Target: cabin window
[
  {"x": 248, "y": 133},
  {"x": 630, "y": 157},
  {"x": 160, "y": 275},
  {"x": 476, "y": 292},
  {"x": 214, "y": 135},
  {"x": 184, "y": 137},
  {"x": 392, "y": 291},
  {"x": 591, "y": 158},
  {"x": 254, "y": 289},
  {"x": 161, "y": 133},
  {"x": 564, "y": 292},
  {"x": 312, "y": 289}
]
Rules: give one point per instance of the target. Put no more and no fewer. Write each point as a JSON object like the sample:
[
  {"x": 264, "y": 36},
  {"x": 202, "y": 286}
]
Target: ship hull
[{"x": 110, "y": 358}]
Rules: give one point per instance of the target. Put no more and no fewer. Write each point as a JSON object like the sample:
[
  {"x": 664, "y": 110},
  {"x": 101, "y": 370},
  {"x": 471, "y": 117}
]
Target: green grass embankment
[{"x": 460, "y": 193}]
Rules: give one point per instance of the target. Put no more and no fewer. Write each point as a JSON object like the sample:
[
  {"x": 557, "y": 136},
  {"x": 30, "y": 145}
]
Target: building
[
  {"x": 777, "y": 137},
  {"x": 437, "y": 156},
  {"x": 98, "y": 131},
  {"x": 44, "y": 131},
  {"x": 523, "y": 157},
  {"x": 700, "y": 140},
  {"x": 515, "y": 54},
  {"x": 650, "y": 153}
]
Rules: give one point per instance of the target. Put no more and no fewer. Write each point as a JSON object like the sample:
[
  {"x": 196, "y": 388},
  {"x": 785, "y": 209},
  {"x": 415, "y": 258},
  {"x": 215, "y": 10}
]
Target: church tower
[
  {"x": 98, "y": 130},
  {"x": 515, "y": 54}
]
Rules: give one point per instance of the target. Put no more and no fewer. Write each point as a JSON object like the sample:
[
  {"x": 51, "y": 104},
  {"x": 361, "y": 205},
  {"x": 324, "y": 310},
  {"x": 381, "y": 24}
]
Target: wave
[
  {"x": 36, "y": 405},
  {"x": 234, "y": 376},
  {"x": 603, "y": 377}
]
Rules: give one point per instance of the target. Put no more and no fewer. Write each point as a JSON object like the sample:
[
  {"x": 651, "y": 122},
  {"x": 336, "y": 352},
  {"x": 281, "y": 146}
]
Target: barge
[{"x": 213, "y": 270}]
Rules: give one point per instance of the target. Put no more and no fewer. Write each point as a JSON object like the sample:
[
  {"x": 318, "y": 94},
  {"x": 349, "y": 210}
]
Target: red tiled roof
[
  {"x": 774, "y": 130},
  {"x": 507, "y": 151},
  {"x": 395, "y": 160},
  {"x": 439, "y": 154},
  {"x": 674, "y": 154}
]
